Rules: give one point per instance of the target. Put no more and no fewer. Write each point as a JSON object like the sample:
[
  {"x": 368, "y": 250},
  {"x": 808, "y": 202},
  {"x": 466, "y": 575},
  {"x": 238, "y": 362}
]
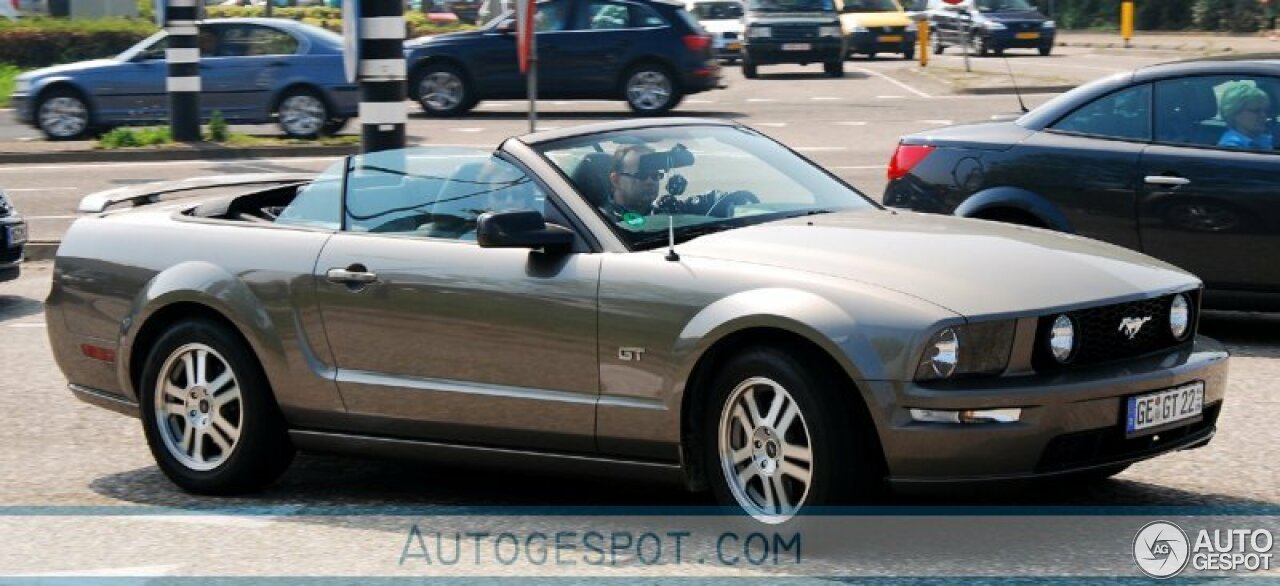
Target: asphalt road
[{"x": 79, "y": 491}]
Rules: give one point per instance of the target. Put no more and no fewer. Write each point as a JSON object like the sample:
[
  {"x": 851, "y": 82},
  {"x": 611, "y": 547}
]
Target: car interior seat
[
  {"x": 591, "y": 177},
  {"x": 1188, "y": 112},
  {"x": 455, "y": 208}
]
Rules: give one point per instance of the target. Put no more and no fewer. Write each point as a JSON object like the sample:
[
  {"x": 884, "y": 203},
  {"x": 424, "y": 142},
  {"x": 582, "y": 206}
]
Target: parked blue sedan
[{"x": 252, "y": 70}]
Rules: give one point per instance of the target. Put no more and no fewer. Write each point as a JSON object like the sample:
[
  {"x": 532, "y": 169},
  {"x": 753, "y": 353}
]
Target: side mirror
[
  {"x": 521, "y": 229},
  {"x": 507, "y": 27}
]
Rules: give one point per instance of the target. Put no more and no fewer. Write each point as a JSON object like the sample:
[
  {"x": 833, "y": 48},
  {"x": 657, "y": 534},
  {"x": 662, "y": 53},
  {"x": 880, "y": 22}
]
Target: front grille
[
  {"x": 729, "y": 36},
  {"x": 794, "y": 32},
  {"x": 1102, "y": 446},
  {"x": 892, "y": 29},
  {"x": 1100, "y": 337},
  {"x": 8, "y": 255}
]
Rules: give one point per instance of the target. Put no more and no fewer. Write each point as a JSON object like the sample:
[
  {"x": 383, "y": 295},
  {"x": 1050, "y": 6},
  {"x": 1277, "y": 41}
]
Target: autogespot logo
[{"x": 1161, "y": 549}]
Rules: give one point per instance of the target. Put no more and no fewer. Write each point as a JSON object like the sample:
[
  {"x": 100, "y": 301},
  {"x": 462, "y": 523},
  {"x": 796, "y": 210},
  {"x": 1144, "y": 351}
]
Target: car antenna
[
  {"x": 671, "y": 238},
  {"x": 1016, "y": 91}
]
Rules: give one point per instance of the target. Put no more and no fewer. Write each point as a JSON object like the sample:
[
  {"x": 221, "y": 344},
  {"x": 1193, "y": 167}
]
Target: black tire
[
  {"x": 871, "y": 56},
  {"x": 984, "y": 48},
  {"x": 302, "y": 113},
  {"x": 845, "y": 465},
  {"x": 936, "y": 43},
  {"x": 334, "y": 126},
  {"x": 834, "y": 68},
  {"x": 67, "y": 101},
  {"x": 1045, "y": 50},
  {"x": 908, "y": 53},
  {"x": 262, "y": 451},
  {"x": 455, "y": 94},
  {"x": 749, "y": 70},
  {"x": 650, "y": 89}
]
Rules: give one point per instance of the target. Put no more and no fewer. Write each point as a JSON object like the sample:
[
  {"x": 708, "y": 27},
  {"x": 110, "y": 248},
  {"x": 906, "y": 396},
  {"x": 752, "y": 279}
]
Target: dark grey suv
[{"x": 793, "y": 31}]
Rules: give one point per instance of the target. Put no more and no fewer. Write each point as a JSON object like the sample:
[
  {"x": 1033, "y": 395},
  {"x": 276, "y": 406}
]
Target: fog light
[
  {"x": 1062, "y": 338},
  {"x": 1007, "y": 415},
  {"x": 1180, "y": 317}
]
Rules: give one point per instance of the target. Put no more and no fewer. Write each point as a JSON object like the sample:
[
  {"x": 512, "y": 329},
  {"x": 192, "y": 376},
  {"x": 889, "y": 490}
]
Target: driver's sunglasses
[{"x": 645, "y": 175}]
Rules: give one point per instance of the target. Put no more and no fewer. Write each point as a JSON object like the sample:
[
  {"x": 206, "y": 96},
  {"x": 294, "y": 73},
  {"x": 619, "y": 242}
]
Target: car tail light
[
  {"x": 697, "y": 43},
  {"x": 906, "y": 157}
]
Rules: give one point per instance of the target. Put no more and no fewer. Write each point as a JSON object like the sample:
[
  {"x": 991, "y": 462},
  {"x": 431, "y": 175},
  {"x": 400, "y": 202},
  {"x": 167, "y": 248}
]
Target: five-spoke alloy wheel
[
  {"x": 649, "y": 89},
  {"x": 765, "y": 449},
  {"x": 443, "y": 90},
  {"x": 199, "y": 407}
]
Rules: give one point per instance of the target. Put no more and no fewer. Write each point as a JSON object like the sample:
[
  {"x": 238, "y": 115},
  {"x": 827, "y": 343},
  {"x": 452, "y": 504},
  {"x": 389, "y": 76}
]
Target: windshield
[
  {"x": 792, "y": 5},
  {"x": 146, "y": 45},
  {"x": 702, "y": 179},
  {"x": 871, "y": 6},
  {"x": 1004, "y": 6},
  {"x": 717, "y": 10}
]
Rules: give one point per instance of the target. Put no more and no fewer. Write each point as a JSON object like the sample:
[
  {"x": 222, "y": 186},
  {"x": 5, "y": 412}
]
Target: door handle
[
  {"x": 1166, "y": 180},
  {"x": 354, "y": 274}
]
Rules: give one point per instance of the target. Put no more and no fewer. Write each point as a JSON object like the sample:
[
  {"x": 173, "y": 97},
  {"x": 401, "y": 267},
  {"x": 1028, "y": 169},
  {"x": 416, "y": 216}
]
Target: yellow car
[{"x": 877, "y": 26}]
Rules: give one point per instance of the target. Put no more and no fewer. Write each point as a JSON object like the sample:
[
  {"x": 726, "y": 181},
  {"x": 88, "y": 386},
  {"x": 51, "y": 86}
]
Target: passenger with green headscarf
[{"x": 1246, "y": 110}]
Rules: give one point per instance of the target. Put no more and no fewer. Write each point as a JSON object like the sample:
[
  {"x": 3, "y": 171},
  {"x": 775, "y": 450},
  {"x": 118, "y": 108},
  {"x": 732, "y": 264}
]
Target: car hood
[
  {"x": 792, "y": 18},
  {"x": 79, "y": 67},
  {"x": 972, "y": 267},
  {"x": 728, "y": 25},
  {"x": 1019, "y": 16},
  {"x": 877, "y": 19}
]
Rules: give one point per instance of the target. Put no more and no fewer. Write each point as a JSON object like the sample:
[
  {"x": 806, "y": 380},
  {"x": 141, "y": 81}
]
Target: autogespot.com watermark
[
  {"x": 1163, "y": 549},
  {"x": 601, "y": 548}
]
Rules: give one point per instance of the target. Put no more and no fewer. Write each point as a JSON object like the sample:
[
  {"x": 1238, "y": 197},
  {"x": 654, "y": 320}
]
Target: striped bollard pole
[
  {"x": 183, "y": 60},
  {"x": 382, "y": 75}
]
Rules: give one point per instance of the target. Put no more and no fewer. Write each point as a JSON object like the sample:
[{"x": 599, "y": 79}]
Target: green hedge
[
  {"x": 40, "y": 42},
  {"x": 1237, "y": 16}
]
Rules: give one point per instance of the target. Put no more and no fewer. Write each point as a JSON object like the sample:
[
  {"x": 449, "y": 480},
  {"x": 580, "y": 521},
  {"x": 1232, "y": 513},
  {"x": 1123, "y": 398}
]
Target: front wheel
[
  {"x": 909, "y": 53},
  {"x": 63, "y": 114},
  {"x": 749, "y": 69},
  {"x": 1045, "y": 50},
  {"x": 834, "y": 68},
  {"x": 208, "y": 412},
  {"x": 936, "y": 43},
  {"x": 302, "y": 114},
  {"x": 781, "y": 438},
  {"x": 443, "y": 91},
  {"x": 649, "y": 90}
]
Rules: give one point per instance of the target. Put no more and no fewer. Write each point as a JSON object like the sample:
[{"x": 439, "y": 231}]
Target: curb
[
  {"x": 40, "y": 250},
  {"x": 197, "y": 153},
  {"x": 1144, "y": 47}
]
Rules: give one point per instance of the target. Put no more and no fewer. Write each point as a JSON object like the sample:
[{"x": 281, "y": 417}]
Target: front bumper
[
  {"x": 21, "y": 104},
  {"x": 866, "y": 43},
  {"x": 11, "y": 253},
  {"x": 1007, "y": 39},
  {"x": 771, "y": 52},
  {"x": 1071, "y": 422},
  {"x": 704, "y": 78}
]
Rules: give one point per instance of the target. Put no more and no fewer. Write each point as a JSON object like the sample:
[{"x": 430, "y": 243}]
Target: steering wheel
[{"x": 734, "y": 198}]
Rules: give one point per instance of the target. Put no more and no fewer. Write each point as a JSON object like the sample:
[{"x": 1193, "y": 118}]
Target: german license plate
[
  {"x": 734, "y": 46},
  {"x": 1161, "y": 408},
  {"x": 1027, "y": 36},
  {"x": 796, "y": 46},
  {"x": 890, "y": 38},
  {"x": 17, "y": 234}
]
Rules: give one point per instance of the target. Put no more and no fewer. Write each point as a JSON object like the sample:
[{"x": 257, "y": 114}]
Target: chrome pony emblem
[{"x": 1130, "y": 326}]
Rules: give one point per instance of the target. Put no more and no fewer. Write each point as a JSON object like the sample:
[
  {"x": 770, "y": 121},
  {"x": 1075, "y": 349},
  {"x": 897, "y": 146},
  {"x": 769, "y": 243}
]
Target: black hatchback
[
  {"x": 649, "y": 53},
  {"x": 1175, "y": 160}
]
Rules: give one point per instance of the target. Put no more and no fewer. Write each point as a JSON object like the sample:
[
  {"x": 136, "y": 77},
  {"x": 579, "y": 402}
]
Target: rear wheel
[
  {"x": 650, "y": 89},
  {"x": 936, "y": 43},
  {"x": 63, "y": 114},
  {"x": 1045, "y": 50},
  {"x": 779, "y": 439},
  {"x": 834, "y": 68},
  {"x": 302, "y": 113},
  {"x": 909, "y": 52},
  {"x": 208, "y": 413}
]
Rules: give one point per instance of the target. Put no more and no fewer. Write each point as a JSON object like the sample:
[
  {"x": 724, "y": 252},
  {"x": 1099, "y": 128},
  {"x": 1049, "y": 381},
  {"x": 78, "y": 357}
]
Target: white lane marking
[
  {"x": 52, "y": 217},
  {"x": 852, "y": 123},
  {"x": 25, "y": 189},
  {"x": 29, "y": 324},
  {"x": 212, "y": 163},
  {"x": 859, "y": 167},
  {"x": 692, "y": 101},
  {"x": 467, "y": 129},
  {"x": 248, "y": 522},
  {"x": 564, "y": 103},
  {"x": 938, "y": 121},
  {"x": 892, "y": 81},
  {"x": 497, "y": 104},
  {"x": 888, "y": 97},
  {"x": 761, "y": 100},
  {"x": 6, "y": 109},
  {"x": 138, "y": 571},
  {"x": 772, "y": 124},
  {"x": 824, "y": 98},
  {"x": 819, "y": 149}
]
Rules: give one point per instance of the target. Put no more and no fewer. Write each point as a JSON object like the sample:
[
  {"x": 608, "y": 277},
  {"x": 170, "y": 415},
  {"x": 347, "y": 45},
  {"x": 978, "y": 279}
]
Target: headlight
[
  {"x": 829, "y": 31},
  {"x": 759, "y": 32},
  {"x": 857, "y": 28},
  {"x": 1049, "y": 24},
  {"x": 993, "y": 26},
  {"x": 1062, "y": 338},
  {"x": 1180, "y": 317},
  {"x": 911, "y": 28},
  {"x": 979, "y": 348}
]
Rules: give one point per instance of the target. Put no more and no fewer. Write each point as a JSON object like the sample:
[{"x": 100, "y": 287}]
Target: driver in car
[{"x": 634, "y": 187}]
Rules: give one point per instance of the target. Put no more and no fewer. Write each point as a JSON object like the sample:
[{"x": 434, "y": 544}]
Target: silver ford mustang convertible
[{"x": 681, "y": 298}]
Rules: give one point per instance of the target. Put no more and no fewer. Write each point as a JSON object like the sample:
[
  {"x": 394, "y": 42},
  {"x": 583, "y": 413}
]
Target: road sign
[
  {"x": 351, "y": 34},
  {"x": 525, "y": 10}
]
